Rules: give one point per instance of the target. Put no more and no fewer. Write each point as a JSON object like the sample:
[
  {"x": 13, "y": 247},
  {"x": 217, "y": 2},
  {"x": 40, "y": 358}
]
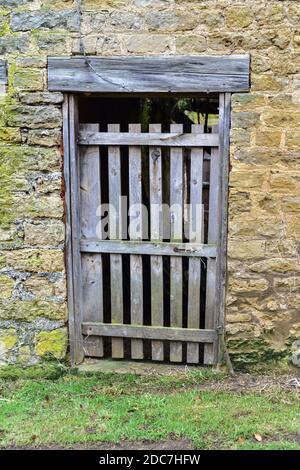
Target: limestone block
[
  {"x": 253, "y": 226},
  {"x": 238, "y": 318},
  {"x": 124, "y": 21},
  {"x": 44, "y": 233},
  {"x": 38, "y": 205},
  {"x": 14, "y": 44},
  {"x": 291, "y": 204},
  {"x": 33, "y": 260},
  {"x": 246, "y": 249},
  {"x": 239, "y": 17},
  {"x": 276, "y": 265},
  {"x": 31, "y": 62},
  {"x": 240, "y": 285},
  {"x": 292, "y": 139},
  {"x": 29, "y": 310},
  {"x": 29, "y": 79},
  {"x": 291, "y": 283},
  {"x": 245, "y": 119},
  {"x": 53, "y": 42},
  {"x": 44, "y": 287},
  {"x": 247, "y": 101},
  {"x": 268, "y": 138},
  {"x": 108, "y": 45},
  {"x": 46, "y": 97},
  {"x": 34, "y": 116},
  {"x": 266, "y": 83},
  {"x": 143, "y": 43},
  {"x": 240, "y": 137},
  {"x": 246, "y": 179},
  {"x": 166, "y": 21},
  {"x": 274, "y": 117},
  {"x": 286, "y": 181},
  {"x": 45, "y": 137},
  {"x": 32, "y": 20},
  {"x": 191, "y": 44}
]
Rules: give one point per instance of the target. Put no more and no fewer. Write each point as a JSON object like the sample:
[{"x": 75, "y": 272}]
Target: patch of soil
[
  {"x": 178, "y": 444},
  {"x": 293, "y": 437},
  {"x": 245, "y": 383}
]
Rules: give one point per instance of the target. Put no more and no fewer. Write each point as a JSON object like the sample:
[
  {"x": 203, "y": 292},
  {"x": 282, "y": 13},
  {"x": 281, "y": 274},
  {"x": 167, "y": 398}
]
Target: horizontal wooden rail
[
  {"x": 149, "y": 332},
  {"x": 148, "y": 248},
  {"x": 148, "y": 138}
]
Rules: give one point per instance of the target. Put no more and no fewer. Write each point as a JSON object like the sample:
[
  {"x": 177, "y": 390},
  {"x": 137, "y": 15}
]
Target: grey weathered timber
[
  {"x": 163, "y": 74},
  {"x": 136, "y": 264},
  {"x": 116, "y": 276},
  {"x": 68, "y": 230},
  {"x": 156, "y": 233},
  {"x": 196, "y": 188},
  {"x": 3, "y": 72},
  {"x": 133, "y": 367},
  {"x": 91, "y": 263},
  {"x": 213, "y": 235},
  {"x": 75, "y": 223},
  {"x": 84, "y": 247},
  {"x": 149, "y": 332},
  {"x": 172, "y": 139},
  {"x": 224, "y": 130},
  {"x": 154, "y": 248},
  {"x": 176, "y": 222}
]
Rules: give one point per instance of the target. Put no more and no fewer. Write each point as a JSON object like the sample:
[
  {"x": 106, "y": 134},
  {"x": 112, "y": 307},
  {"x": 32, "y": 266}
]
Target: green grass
[{"x": 110, "y": 407}]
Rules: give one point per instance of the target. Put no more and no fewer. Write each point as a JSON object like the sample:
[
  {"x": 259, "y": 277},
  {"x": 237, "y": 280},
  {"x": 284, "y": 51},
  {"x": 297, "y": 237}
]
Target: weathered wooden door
[{"x": 146, "y": 292}]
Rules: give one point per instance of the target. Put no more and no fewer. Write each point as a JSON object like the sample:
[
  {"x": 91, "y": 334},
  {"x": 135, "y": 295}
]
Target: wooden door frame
[
  {"x": 156, "y": 75},
  {"x": 70, "y": 165}
]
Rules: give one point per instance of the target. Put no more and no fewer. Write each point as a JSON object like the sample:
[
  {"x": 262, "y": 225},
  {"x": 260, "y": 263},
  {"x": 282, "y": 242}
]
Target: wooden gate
[{"x": 197, "y": 170}]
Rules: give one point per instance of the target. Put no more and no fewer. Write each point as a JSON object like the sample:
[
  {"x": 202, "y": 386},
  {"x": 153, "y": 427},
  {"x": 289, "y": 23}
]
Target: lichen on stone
[{"x": 51, "y": 343}]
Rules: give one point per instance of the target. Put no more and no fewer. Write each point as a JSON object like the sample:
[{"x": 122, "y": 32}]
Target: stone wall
[{"x": 263, "y": 299}]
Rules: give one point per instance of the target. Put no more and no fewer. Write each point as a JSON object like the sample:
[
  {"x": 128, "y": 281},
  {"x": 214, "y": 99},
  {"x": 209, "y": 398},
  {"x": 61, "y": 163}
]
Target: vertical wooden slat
[
  {"x": 176, "y": 198},
  {"x": 90, "y": 199},
  {"x": 213, "y": 225},
  {"x": 75, "y": 224},
  {"x": 224, "y": 135},
  {"x": 156, "y": 233},
  {"x": 136, "y": 267},
  {"x": 196, "y": 186},
  {"x": 68, "y": 237},
  {"x": 114, "y": 183}
]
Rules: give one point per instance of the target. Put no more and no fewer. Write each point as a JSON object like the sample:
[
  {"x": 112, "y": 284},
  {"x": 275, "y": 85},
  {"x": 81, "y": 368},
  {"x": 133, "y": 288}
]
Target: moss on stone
[
  {"x": 29, "y": 79},
  {"x": 6, "y": 286},
  {"x": 10, "y": 134},
  {"x": 24, "y": 354},
  {"x": 15, "y": 160},
  {"x": 27, "y": 310},
  {"x": 8, "y": 339},
  {"x": 35, "y": 260},
  {"x": 245, "y": 353},
  {"x": 52, "y": 343},
  {"x": 47, "y": 370},
  {"x": 5, "y": 29}
]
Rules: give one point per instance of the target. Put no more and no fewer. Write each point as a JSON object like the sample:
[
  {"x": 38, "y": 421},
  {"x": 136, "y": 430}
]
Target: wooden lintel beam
[{"x": 156, "y": 74}]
